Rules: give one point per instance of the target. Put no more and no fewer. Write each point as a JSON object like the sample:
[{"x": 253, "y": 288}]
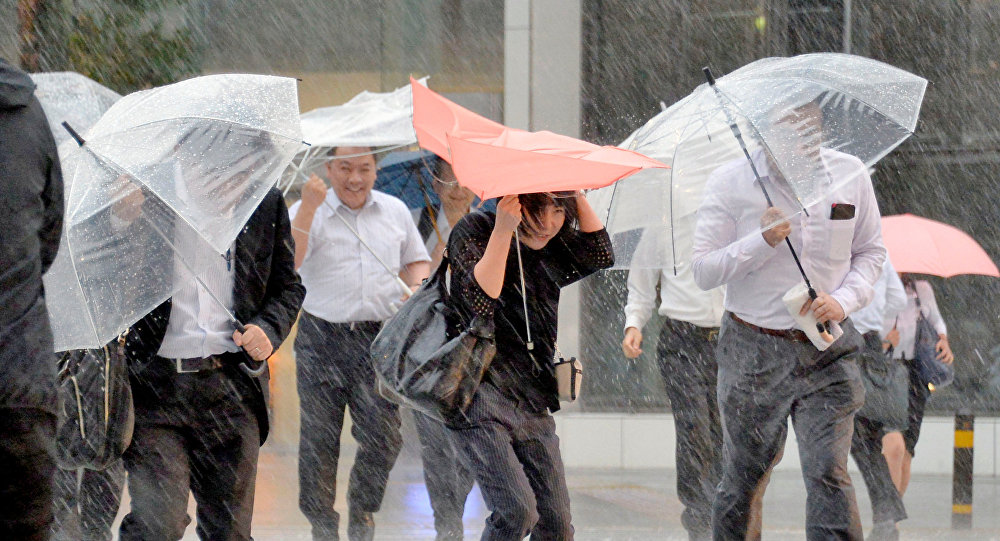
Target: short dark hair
[
  {"x": 534, "y": 204},
  {"x": 333, "y": 151}
]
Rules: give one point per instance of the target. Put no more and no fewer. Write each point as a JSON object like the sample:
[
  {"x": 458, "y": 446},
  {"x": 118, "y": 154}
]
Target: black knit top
[{"x": 570, "y": 256}]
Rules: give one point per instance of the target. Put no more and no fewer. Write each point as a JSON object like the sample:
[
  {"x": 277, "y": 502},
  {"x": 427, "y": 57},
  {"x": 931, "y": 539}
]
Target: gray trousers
[
  {"x": 334, "y": 371},
  {"x": 866, "y": 448},
  {"x": 762, "y": 381},
  {"x": 513, "y": 452},
  {"x": 686, "y": 354},
  {"x": 86, "y": 502},
  {"x": 447, "y": 479}
]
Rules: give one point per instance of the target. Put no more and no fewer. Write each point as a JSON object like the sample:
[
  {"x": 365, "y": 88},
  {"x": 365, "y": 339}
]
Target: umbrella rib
[
  {"x": 76, "y": 274},
  {"x": 194, "y": 117},
  {"x": 842, "y": 92}
]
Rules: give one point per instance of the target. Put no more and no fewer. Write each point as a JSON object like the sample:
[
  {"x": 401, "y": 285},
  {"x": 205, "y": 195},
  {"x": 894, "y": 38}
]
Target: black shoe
[
  {"x": 884, "y": 531},
  {"x": 360, "y": 526}
]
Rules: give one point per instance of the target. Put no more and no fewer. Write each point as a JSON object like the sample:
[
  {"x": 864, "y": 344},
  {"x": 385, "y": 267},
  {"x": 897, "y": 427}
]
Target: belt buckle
[
  {"x": 182, "y": 370},
  {"x": 713, "y": 334}
]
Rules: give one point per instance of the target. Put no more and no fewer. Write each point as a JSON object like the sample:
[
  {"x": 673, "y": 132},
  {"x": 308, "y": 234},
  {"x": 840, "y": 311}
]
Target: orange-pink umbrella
[
  {"x": 493, "y": 160},
  {"x": 924, "y": 246}
]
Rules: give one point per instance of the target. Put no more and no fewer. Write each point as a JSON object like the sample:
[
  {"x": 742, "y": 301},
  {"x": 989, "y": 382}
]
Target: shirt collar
[{"x": 336, "y": 203}]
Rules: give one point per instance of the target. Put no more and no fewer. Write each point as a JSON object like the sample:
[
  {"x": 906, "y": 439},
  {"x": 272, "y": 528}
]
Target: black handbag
[
  {"x": 425, "y": 359},
  {"x": 930, "y": 370},
  {"x": 887, "y": 389},
  {"x": 96, "y": 416}
]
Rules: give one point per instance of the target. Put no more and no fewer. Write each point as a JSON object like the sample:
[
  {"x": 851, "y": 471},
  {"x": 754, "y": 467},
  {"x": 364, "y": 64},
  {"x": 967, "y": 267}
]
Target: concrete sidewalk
[{"x": 607, "y": 505}]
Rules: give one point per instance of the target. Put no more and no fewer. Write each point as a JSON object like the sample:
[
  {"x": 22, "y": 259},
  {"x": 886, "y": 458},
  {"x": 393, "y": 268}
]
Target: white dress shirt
[
  {"x": 906, "y": 321},
  {"x": 680, "y": 298},
  {"x": 343, "y": 281},
  {"x": 889, "y": 300},
  {"x": 840, "y": 257}
]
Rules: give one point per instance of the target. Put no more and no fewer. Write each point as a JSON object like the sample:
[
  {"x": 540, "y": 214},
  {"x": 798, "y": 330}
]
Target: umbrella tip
[
  {"x": 72, "y": 132},
  {"x": 708, "y": 75}
]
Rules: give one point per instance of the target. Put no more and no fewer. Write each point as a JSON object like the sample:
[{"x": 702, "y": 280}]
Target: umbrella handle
[{"x": 244, "y": 366}]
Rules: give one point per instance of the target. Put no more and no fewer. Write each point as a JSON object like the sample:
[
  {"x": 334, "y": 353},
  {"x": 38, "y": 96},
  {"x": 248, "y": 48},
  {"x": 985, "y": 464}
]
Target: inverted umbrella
[
  {"x": 370, "y": 119},
  {"x": 867, "y": 109},
  {"x": 160, "y": 187},
  {"x": 923, "y": 246},
  {"x": 67, "y": 96},
  {"x": 493, "y": 160}
]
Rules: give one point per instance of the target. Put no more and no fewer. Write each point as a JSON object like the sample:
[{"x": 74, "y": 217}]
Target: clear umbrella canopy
[
  {"x": 793, "y": 113},
  {"x": 163, "y": 185},
  {"x": 67, "y": 96},
  {"x": 370, "y": 119}
]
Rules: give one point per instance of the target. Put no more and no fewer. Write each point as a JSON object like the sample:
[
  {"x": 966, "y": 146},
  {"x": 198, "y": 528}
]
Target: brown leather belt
[{"x": 794, "y": 335}]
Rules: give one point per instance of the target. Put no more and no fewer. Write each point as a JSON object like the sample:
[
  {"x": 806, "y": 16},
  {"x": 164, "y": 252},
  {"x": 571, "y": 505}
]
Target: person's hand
[
  {"x": 313, "y": 192},
  {"x": 825, "y": 308},
  {"x": 508, "y": 214},
  {"x": 944, "y": 350},
  {"x": 254, "y": 342},
  {"x": 128, "y": 200},
  {"x": 775, "y": 234},
  {"x": 632, "y": 344},
  {"x": 893, "y": 338}
]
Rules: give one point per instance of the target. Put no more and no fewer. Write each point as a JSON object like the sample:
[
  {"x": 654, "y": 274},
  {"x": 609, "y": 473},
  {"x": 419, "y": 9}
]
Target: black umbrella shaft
[{"x": 739, "y": 138}]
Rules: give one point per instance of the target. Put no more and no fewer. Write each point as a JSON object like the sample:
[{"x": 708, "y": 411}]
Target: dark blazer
[{"x": 267, "y": 292}]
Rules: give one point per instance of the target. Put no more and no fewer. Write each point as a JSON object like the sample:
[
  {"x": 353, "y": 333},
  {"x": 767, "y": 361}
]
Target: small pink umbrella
[
  {"x": 493, "y": 160},
  {"x": 924, "y": 246}
]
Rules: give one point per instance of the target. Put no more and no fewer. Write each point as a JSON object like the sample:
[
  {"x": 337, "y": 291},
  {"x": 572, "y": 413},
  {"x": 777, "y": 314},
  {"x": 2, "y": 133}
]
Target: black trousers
[
  {"x": 447, "y": 479},
  {"x": 201, "y": 438},
  {"x": 334, "y": 372},
  {"x": 686, "y": 355},
  {"x": 87, "y": 502},
  {"x": 513, "y": 452},
  {"x": 27, "y": 451},
  {"x": 866, "y": 449}
]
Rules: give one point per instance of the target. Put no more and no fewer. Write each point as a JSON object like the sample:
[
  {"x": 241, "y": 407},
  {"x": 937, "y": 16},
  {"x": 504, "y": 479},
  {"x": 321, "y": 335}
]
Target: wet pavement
[{"x": 608, "y": 504}]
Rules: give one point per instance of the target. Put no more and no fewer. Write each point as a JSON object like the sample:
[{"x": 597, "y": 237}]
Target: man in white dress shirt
[
  {"x": 686, "y": 357},
  {"x": 348, "y": 296},
  {"x": 768, "y": 369}
]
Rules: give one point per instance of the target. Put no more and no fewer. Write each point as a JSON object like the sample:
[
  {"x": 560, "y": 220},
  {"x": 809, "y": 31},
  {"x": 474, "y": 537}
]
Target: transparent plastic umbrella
[
  {"x": 67, "y": 96},
  {"x": 382, "y": 120},
  {"x": 866, "y": 107},
  {"x": 162, "y": 185}
]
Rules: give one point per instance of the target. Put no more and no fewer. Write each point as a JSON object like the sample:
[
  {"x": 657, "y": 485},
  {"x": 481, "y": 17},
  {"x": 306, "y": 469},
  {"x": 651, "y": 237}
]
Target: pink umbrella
[
  {"x": 925, "y": 246},
  {"x": 493, "y": 160}
]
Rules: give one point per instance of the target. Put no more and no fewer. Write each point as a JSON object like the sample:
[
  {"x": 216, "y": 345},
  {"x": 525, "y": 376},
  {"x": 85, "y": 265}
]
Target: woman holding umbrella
[
  {"x": 899, "y": 447},
  {"x": 508, "y": 435}
]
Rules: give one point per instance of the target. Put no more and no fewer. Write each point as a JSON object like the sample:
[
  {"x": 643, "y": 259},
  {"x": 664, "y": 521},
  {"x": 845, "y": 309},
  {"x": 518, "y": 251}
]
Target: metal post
[{"x": 961, "y": 480}]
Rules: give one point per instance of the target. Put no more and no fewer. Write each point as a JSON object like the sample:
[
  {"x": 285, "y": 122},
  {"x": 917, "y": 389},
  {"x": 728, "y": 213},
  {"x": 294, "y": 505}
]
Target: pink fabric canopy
[
  {"x": 493, "y": 160},
  {"x": 924, "y": 246}
]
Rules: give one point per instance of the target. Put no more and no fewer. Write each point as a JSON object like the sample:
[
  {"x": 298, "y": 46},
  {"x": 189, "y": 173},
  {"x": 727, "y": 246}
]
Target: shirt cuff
[
  {"x": 847, "y": 301},
  {"x": 479, "y": 302},
  {"x": 634, "y": 320}
]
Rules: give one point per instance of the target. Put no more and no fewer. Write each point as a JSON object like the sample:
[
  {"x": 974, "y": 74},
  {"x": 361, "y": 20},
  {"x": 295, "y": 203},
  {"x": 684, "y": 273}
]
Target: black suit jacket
[{"x": 267, "y": 292}]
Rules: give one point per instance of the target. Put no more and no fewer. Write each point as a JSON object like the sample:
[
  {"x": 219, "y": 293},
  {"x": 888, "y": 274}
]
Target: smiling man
[{"x": 348, "y": 296}]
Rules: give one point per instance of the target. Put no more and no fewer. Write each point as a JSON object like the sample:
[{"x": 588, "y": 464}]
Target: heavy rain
[{"x": 446, "y": 269}]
